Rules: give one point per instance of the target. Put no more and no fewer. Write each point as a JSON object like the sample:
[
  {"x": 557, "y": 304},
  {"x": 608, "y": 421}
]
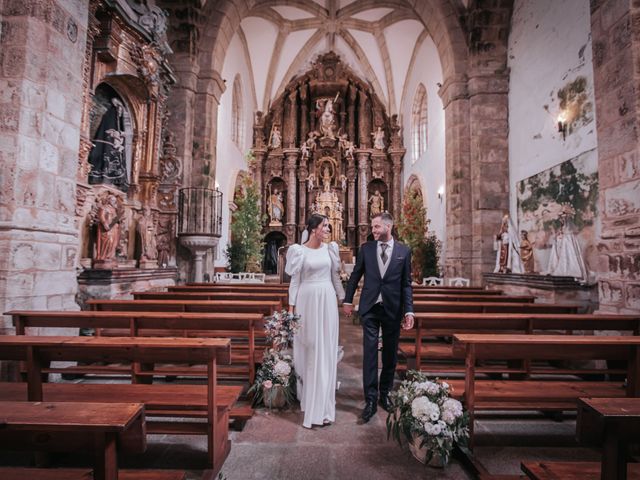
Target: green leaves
[{"x": 244, "y": 250}]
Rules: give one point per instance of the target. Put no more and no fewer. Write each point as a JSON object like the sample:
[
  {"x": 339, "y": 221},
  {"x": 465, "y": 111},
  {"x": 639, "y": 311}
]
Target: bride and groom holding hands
[{"x": 386, "y": 304}]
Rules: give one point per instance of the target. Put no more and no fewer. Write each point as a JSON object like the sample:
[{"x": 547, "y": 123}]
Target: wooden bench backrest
[
  {"x": 448, "y": 297},
  {"x": 455, "y": 291},
  {"x": 265, "y": 307},
  {"x": 491, "y": 307},
  {"x": 281, "y": 297}
]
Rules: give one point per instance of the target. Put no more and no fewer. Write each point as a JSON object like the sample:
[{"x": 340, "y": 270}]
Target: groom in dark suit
[{"x": 386, "y": 302}]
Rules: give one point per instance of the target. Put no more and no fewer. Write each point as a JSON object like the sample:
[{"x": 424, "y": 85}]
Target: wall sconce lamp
[
  {"x": 441, "y": 192},
  {"x": 562, "y": 125}
]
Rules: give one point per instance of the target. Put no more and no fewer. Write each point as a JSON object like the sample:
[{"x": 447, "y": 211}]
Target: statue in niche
[
  {"x": 378, "y": 139},
  {"x": 326, "y": 178},
  {"x": 311, "y": 181},
  {"x": 275, "y": 139},
  {"x": 147, "y": 232},
  {"x": 526, "y": 252},
  {"x": 343, "y": 182},
  {"x": 108, "y": 229},
  {"x": 327, "y": 117},
  {"x": 276, "y": 207},
  {"x": 107, "y": 157},
  {"x": 376, "y": 204},
  {"x": 508, "y": 248}
]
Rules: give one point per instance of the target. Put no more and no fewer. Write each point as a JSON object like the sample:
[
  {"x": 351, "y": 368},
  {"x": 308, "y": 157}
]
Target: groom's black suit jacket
[{"x": 395, "y": 287}]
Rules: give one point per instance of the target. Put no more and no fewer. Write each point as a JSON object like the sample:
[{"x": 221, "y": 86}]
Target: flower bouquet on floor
[
  {"x": 280, "y": 328},
  {"x": 275, "y": 384},
  {"x": 427, "y": 418}
]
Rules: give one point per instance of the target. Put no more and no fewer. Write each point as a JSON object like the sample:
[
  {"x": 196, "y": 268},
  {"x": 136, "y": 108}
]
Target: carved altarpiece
[
  {"x": 126, "y": 54},
  {"x": 325, "y": 159}
]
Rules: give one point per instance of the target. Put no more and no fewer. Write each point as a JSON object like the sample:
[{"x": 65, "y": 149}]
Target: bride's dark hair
[{"x": 312, "y": 223}]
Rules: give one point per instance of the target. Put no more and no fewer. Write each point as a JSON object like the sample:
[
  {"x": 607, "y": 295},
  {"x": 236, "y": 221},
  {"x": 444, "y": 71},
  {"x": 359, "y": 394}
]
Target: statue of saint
[
  {"x": 376, "y": 202},
  {"x": 326, "y": 178},
  {"x": 276, "y": 207},
  {"x": 526, "y": 252},
  {"x": 508, "y": 248},
  {"x": 378, "y": 139},
  {"x": 147, "y": 231},
  {"x": 311, "y": 181},
  {"x": 108, "y": 155},
  {"x": 327, "y": 117},
  {"x": 343, "y": 182},
  {"x": 108, "y": 230},
  {"x": 275, "y": 140},
  {"x": 566, "y": 258}
]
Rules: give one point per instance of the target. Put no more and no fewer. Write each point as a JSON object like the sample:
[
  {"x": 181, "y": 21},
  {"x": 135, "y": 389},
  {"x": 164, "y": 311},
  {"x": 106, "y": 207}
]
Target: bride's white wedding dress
[{"x": 313, "y": 288}]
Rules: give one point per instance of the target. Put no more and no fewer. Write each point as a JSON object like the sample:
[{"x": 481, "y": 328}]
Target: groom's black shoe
[
  {"x": 368, "y": 411},
  {"x": 385, "y": 403}
]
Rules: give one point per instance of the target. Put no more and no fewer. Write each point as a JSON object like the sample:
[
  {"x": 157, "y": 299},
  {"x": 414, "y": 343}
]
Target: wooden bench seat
[
  {"x": 223, "y": 296},
  {"x": 241, "y": 328},
  {"x": 32, "y": 473},
  {"x": 420, "y": 306},
  {"x": 572, "y": 470},
  {"x": 94, "y": 428},
  {"x": 551, "y": 394},
  {"x": 213, "y": 400}
]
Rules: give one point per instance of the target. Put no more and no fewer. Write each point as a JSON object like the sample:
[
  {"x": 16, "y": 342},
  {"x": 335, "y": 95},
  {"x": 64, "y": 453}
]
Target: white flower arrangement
[
  {"x": 280, "y": 328},
  {"x": 275, "y": 377},
  {"x": 423, "y": 409}
]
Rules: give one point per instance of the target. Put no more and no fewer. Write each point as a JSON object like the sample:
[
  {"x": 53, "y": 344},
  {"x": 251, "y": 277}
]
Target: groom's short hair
[{"x": 385, "y": 217}]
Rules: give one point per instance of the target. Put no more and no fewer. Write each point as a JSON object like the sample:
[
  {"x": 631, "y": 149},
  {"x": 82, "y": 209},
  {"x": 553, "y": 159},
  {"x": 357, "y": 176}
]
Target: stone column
[
  {"x": 364, "y": 121},
  {"x": 303, "y": 173},
  {"x": 291, "y": 156},
  {"x": 351, "y": 203},
  {"x": 41, "y": 81},
  {"x": 616, "y": 56},
  {"x": 396, "y": 199},
  {"x": 260, "y": 154},
  {"x": 351, "y": 112},
  {"x": 364, "y": 165},
  {"x": 458, "y": 188},
  {"x": 304, "y": 113}
]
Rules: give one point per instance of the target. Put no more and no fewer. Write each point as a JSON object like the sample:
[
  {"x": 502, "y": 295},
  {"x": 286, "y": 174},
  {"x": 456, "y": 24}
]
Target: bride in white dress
[{"x": 313, "y": 267}]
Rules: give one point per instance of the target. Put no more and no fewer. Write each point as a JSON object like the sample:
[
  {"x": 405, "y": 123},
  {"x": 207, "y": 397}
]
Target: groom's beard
[{"x": 384, "y": 237}]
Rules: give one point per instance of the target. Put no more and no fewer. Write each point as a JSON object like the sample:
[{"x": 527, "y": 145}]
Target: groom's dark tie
[{"x": 383, "y": 254}]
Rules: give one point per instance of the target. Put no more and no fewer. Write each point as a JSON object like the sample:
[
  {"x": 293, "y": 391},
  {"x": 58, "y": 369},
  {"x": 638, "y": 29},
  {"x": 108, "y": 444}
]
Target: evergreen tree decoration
[
  {"x": 244, "y": 250},
  {"x": 413, "y": 230}
]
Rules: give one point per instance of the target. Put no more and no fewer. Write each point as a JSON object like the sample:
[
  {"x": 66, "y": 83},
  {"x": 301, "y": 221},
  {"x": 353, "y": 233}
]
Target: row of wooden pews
[
  {"x": 504, "y": 355},
  {"x": 219, "y": 339}
]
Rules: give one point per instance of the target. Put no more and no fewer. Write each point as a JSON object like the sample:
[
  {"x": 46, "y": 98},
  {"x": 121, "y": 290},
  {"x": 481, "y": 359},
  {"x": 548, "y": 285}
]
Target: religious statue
[
  {"x": 508, "y": 248},
  {"x": 108, "y": 230},
  {"x": 311, "y": 141},
  {"x": 147, "y": 232},
  {"x": 327, "y": 117},
  {"x": 378, "y": 139},
  {"x": 343, "y": 182},
  {"x": 526, "y": 252},
  {"x": 326, "y": 178},
  {"x": 566, "y": 258},
  {"x": 346, "y": 146},
  {"x": 275, "y": 139},
  {"x": 376, "y": 204},
  {"x": 108, "y": 155},
  {"x": 304, "y": 151},
  {"x": 311, "y": 181},
  {"x": 276, "y": 207}
]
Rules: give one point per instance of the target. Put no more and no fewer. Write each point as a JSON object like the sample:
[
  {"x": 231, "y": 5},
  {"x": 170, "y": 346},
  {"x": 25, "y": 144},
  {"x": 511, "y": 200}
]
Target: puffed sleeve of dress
[
  {"x": 293, "y": 268},
  {"x": 334, "y": 253}
]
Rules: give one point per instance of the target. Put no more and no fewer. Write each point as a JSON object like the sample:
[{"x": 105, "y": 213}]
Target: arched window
[
  {"x": 237, "y": 112},
  {"x": 419, "y": 124}
]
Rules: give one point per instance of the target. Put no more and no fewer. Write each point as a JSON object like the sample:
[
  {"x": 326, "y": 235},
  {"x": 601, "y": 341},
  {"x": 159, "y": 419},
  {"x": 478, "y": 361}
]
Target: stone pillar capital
[{"x": 454, "y": 87}]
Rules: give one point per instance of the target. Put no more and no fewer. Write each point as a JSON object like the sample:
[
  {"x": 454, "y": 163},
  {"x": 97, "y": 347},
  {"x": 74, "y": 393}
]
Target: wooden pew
[
  {"x": 490, "y": 307},
  {"x": 31, "y": 473},
  {"x": 613, "y": 424},
  {"x": 453, "y": 297},
  {"x": 428, "y": 325},
  {"x": 236, "y": 287},
  {"x": 211, "y": 402},
  {"x": 96, "y": 428},
  {"x": 265, "y": 307},
  {"x": 239, "y": 327},
  {"x": 533, "y": 394},
  {"x": 572, "y": 470},
  {"x": 452, "y": 289},
  {"x": 224, "y": 296}
]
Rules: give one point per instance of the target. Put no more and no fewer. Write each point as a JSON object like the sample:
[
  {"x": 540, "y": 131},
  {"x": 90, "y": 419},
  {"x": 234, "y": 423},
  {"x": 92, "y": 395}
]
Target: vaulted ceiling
[{"x": 378, "y": 40}]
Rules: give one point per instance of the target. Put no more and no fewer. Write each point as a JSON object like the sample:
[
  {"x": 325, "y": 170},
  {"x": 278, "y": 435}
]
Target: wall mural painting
[{"x": 566, "y": 191}]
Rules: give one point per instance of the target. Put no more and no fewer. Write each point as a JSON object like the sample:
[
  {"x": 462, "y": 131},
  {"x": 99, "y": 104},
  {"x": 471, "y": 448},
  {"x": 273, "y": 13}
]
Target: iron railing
[{"x": 200, "y": 212}]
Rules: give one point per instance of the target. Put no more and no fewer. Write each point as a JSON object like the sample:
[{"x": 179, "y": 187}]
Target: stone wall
[
  {"x": 42, "y": 50},
  {"x": 616, "y": 55}
]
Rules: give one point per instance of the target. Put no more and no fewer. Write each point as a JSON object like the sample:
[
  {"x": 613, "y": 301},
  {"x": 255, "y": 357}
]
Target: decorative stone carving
[{"x": 107, "y": 219}]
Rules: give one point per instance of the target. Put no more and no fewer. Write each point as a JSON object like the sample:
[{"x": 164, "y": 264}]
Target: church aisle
[{"x": 274, "y": 445}]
